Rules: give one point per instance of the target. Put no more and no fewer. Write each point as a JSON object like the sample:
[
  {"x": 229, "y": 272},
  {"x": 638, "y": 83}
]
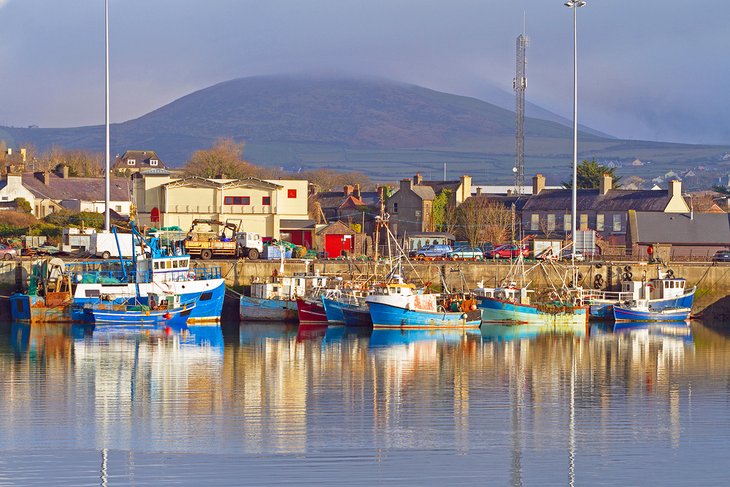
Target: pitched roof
[
  {"x": 592, "y": 199},
  {"x": 142, "y": 158},
  {"x": 335, "y": 199},
  {"x": 506, "y": 200},
  {"x": 679, "y": 228},
  {"x": 439, "y": 186},
  {"x": 75, "y": 188},
  {"x": 424, "y": 192}
]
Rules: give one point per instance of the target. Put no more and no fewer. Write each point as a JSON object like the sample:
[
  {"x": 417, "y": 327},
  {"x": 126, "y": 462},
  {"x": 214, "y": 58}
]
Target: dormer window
[
  {"x": 154, "y": 162},
  {"x": 131, "y": 162}
]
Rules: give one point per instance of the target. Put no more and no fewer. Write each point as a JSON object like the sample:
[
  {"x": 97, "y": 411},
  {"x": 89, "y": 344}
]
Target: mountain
[{"x": 385, "y": 128}]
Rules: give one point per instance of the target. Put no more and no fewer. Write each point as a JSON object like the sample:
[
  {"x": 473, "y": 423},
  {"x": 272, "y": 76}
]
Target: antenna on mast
[{"x": 520, "y": 85}]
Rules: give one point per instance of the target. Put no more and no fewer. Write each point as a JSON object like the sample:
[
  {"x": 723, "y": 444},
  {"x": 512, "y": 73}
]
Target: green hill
[{"x": 385, "y": 128}]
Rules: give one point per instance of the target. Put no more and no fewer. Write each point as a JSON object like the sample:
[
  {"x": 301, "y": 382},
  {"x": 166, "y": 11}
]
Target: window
[
  {"x": 617, "y": 223},
  {"x": 291, "y": 193},
  {"x": 395, "y": 207},
  {"x": 551, "y": 222},
  {"x": 584, "y": 221},
  {"x": 418, "y": 213},
  {"x": 5, "y": 198},
  {"x": 599, "y": 222},
  {"x": 154, "y": 162},
  {"x": 266, "y": 200},
  {"x": 131, "y": 162},
  {"x": 534, "y": 221},
  {"x": 568, "y": 222},
  {"x": 237, "y": 200},
  {"x": 118, "y": 208}
]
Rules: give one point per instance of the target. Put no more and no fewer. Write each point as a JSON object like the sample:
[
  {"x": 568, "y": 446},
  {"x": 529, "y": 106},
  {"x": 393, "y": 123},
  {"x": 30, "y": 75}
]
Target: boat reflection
[
  {"x": 507, "y": 333},
  {"x": 383, "y": 338}
]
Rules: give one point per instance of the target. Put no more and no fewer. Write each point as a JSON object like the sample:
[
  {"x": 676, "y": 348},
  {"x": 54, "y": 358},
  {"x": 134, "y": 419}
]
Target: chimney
[
  {"x": 358, "y": 194},
  {"x": 63, "y": 171},
  {"x": 9, "y": 151},
  {"x": 417, "y": 179},
  {"x": 479, "y": 190},
  {"x": 606, "y": 183},
  {"x": 312, "y": 189},
  {"x": 538, "y": 183},
  {"x": 675, "y": 188},
  {"x": 347, "y": 190},
  {"x": 23, "y": 154},
  {"x": 43, "y": 176},
  {"x": 465, "y": 188},
  {"x": 406, "y": 184}
]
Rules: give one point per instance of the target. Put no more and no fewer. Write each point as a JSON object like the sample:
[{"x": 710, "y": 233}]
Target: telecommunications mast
[{"x": 520, "y": 84}]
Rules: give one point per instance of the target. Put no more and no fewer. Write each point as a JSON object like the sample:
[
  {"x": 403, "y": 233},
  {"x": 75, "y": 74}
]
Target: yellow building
[{"x": 273, "y": 208}]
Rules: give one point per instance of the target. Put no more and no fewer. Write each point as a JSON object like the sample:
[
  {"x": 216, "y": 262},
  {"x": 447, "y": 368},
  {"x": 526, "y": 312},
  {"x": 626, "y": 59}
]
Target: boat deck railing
[{"x": 118, "y": 276}]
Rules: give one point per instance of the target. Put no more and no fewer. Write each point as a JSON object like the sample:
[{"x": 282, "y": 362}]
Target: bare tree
[
  {"x": 225, "y": 158},
  {"x": 482, "y": 220}
]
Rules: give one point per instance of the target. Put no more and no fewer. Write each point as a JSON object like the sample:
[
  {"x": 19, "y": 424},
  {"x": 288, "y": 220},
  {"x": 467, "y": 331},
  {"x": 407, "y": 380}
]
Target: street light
[{"x": 575, "y": 4}]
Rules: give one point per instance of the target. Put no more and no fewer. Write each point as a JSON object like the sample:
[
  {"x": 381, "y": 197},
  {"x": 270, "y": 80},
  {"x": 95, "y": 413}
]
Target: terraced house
[{"x": 548, "y": 212}]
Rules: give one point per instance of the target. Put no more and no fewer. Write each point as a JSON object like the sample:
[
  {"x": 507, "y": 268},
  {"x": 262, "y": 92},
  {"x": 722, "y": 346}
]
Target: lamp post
[{"x": 575, "y": 4}]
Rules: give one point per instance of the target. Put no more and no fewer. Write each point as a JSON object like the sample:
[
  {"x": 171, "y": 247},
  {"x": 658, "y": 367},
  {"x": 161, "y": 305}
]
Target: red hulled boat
[{"x": 311, "y": 312}]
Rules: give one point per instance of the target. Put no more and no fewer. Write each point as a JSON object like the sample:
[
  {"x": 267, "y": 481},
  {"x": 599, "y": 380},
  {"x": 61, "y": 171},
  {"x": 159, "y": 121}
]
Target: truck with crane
[{"x": 231, "y": 242}]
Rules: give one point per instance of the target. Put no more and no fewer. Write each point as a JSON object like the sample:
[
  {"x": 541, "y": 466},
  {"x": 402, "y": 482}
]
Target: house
[
  {"x": 461, "y": 189},
  {"x": 549, "y": 212},
  {"x": 273, "y": 208},
  {"x": 677, "y": 235},
  {"x": 349, "y": 205},
  {"x": 410, "y": 208},
  {"x": 133, "y": 161},
  {"x": 339, "y": 239},
  {"x": 48, "y": 192}
]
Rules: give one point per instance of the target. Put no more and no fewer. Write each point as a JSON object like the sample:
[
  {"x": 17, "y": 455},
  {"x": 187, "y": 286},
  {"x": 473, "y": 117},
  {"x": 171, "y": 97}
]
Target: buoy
[
  {"x": 473, "y": 307},
  {"x": 167, "y": 315}
]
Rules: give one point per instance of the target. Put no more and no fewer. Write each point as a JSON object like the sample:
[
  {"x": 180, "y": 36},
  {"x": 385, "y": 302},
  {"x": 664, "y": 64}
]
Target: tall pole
[
  {"x": 574, "y": 4},
  {"x": 106, "y": 119}
]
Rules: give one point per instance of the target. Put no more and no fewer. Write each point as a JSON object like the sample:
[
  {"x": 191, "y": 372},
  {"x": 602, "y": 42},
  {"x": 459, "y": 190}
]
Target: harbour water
[{"x": 268, "y": 404}]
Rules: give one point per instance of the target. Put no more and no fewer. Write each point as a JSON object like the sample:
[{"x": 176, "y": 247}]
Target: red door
[{"x": 335, "y": 244}]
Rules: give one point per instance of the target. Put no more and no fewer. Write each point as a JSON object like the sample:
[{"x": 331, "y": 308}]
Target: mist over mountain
[{"x": 385, "y": 128}]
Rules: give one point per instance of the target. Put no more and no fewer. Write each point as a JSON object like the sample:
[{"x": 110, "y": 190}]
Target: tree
[
  {"x": 483, "y": 220},
  {"x": 440, "y": 208},
  {"x": 223, "y": 159},
  {"x": 721, "y": 189},
  {"x": 23, "y": 205},
  {"x": 590, "y": 174}
]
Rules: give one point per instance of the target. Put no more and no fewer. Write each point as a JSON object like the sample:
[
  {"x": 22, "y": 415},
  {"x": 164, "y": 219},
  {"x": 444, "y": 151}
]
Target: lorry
[
  {"x": 230, "y": 243},
  {"x": 107, "y": 245}
]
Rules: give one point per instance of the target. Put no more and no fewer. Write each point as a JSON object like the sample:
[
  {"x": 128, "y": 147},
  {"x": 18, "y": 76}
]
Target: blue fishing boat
[
  {"x": 333, "y": 310},
  {"x": 664, "y": 292},
  {"x": 159, "y": 310},
  {"x": 511, "y": 305},
  {"x": 357, "y": 315},
  {"x": 395, "y": 305},
  {"x": 160, "y": 270},
  {"x": 641, "y": 311}
]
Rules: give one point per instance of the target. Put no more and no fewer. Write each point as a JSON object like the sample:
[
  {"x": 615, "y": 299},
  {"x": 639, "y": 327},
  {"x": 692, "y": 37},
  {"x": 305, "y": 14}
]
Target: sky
[{"x": 648, "y": 69}]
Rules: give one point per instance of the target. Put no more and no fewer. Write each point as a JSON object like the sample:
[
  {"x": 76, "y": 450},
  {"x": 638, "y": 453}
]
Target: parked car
[
  {"x": 508, "y": 251},
  {"x": 436, "y": 251},
  {"x": 567, "y": 254},
  {"x": 472, "y": 253},
  {"x": 7, "y": 252},
  {"x": 721, "y": 256}
]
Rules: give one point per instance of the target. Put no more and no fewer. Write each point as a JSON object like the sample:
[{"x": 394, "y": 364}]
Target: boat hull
[
  {"x": 604, "y": 309},
  {"x": 357, "y": 316},
  {"x": 259, "y": 309},
  {"x": 624, "y": 314},
  {"x": 311, "y": 313},
  {"x": 500, "y": 311},
  {"x": 208, "y": 295},
  {"x": 333, "y": 310},
  {"x": 173, "y": 317},
  {"x": 387, "y": 316},
  {"x": 26, "y": 308}
]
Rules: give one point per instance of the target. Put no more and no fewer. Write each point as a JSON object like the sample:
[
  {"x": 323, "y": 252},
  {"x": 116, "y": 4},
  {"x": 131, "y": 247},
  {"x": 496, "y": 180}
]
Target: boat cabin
[
  {"x": 286, "y": 287},
  {"x": 166, "y": 268},
  {"x": 512, "y": 294},
  {"x": 659, "y": 288}
]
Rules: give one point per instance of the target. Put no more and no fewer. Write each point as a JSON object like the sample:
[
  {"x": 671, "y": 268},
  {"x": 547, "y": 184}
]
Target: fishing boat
[
  {"x": 275, "y": 300},
  {"x": 160, "y": 270},
  {"x": 311, "y": 311},
  {"x": 512, "y": 305},
  {"x": 49, "y": 295},
  {"x": 640, "y": 310},
  {"x": 159, "y": 310},
  {"x": 396, "y": 305},
  {"x": 357, "y": 315},
  {"x": 664, "y": 292}
]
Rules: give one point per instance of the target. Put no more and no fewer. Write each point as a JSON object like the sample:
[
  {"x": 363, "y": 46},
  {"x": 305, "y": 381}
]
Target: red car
[{"x": 508, "y": 251}]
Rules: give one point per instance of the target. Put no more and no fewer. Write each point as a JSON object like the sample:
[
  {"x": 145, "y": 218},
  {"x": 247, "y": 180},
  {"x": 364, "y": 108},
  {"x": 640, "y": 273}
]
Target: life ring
[
  {"x": 191, "y": 275},
  {"x": 627, "y": 268},
  {"x": 670, "y": 273}
]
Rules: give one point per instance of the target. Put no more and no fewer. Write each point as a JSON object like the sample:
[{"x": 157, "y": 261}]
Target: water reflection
[{"x": 540, "y": 403}]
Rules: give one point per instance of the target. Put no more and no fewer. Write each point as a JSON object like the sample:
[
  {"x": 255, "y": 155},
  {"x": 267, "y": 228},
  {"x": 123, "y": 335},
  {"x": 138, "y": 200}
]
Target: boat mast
[{"x": 106, "y": 121}]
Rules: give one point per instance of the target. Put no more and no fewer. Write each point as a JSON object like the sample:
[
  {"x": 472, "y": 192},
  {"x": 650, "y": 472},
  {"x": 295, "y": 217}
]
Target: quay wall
[{"x": 712, "y": 280}]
